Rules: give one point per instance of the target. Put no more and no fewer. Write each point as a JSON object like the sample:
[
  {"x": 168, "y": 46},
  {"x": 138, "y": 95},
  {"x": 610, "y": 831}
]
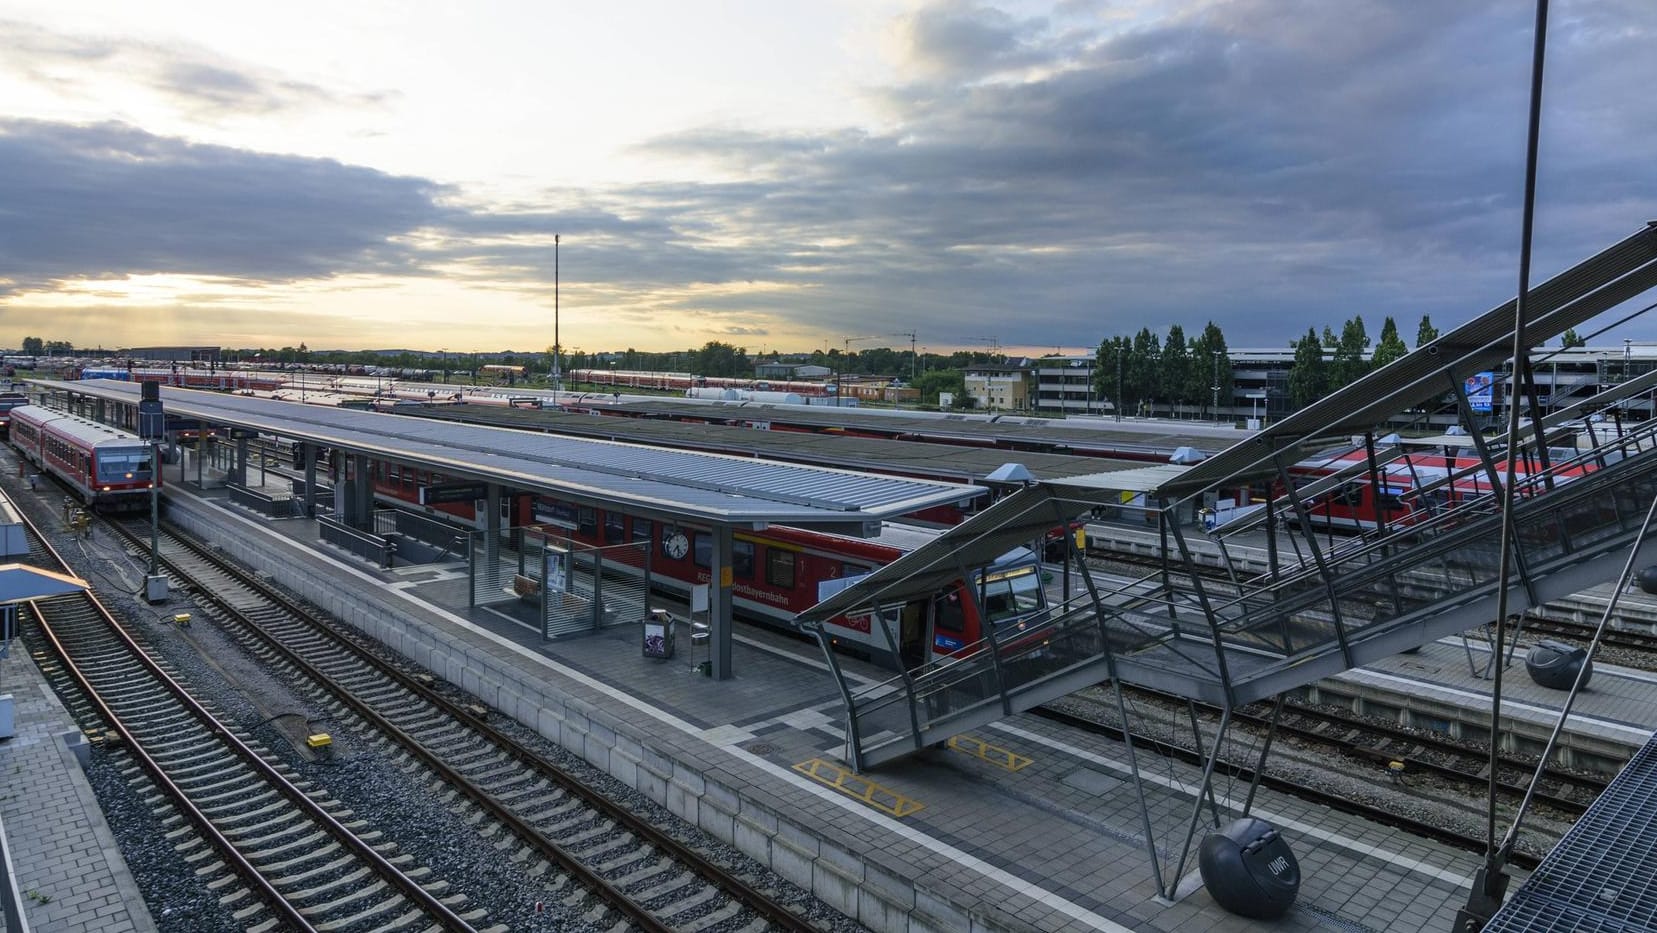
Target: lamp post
[
  {"x": 557, "y": 348},
  {"x": 1216, "y": 384}
]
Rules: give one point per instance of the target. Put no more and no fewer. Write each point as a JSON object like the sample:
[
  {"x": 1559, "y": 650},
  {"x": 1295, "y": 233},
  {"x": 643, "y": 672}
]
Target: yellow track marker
[
  {"x": 848, "y": 782},
  {"x": 994, "y": 754}
]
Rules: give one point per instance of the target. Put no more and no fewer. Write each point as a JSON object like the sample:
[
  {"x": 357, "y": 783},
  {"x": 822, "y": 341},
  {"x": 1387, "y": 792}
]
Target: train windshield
[
  {"x": 1012, "y": 594},
  {"x": 123, "y": 464}
]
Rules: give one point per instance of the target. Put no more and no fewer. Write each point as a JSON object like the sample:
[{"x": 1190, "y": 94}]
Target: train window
[
  {"x": 116, "y": 464},
  {"x": 641, "y": 529},
  {"x": 947, "y": 611},
  {"x": 586, "y": 521},
  {"x": 614, "y": 532},
  {"x": 742, "y": 559},
  {"x": 779, "y": 568},
  {"x": 703, "y": 549},
  {"x": 1010, "y": 595}
]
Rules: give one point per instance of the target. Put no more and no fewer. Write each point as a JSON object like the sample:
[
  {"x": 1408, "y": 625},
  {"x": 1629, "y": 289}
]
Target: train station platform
[
  {"x": 1024, "y": 825},
  {"x": 67, "y": 867}
]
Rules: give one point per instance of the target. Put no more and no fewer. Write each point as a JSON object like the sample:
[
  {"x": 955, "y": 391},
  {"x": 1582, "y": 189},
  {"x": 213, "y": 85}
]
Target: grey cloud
[
  {"x": 1261, "y": 164},
  {"x": 110, "y": 200},
  {"x": 192, "y": 79},
  {"x": 965, "y": 37}
]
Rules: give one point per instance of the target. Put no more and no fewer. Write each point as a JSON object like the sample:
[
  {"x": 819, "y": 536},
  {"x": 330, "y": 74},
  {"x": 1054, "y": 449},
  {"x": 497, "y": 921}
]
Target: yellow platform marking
[
  {"x": 994, "y": 754},
  {"x": 847, "y": 782}
]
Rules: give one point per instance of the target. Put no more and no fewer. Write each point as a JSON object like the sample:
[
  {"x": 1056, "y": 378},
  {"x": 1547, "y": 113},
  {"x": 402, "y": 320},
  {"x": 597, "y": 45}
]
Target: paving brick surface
[{"x": 69, "y": 869}]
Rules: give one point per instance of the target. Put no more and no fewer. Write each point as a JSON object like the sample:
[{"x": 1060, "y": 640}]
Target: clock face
[{"x": 676, "y": 545}]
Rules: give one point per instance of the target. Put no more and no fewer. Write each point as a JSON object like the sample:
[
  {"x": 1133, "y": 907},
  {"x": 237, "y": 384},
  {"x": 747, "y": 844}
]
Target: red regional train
[
  {"x": 9, "y": 401},
  {"x": 109, "y": 469},
  {"x": 780, "y": 572},
  {"x": 776, "y": 573},
  {"x": 1415, "y": 486},
  {"x": 678, "y": 382}
]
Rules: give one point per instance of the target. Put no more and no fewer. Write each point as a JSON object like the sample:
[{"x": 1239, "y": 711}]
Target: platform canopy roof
[
  {"x": 19, "y": 582},
  {"x": 677, "y": 485}
]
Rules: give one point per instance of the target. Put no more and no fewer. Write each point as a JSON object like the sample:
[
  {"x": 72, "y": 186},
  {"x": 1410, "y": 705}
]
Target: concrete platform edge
[{"x": 730, "y": 809}]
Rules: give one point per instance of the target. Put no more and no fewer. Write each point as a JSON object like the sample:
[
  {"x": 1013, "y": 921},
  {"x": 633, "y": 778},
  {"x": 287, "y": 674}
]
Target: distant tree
[
  {"x": 1110, "y": 371},
  {"x": 1210, "y": 367},
  {"x": 1426, "y": 333},
  {"x": 34, "y": 346},
  {"x": 59, "y": 348},
  {"x": 934, "y": 381},
  {"x": 1309, "y": 376},
  {"x": 1390, "y": 347},
  {"x": 1174, "y": 368},
  {"x": 1143, "y": 360},
  {"x": 1350, "y": 364},
  {"x": 1329, "y": 339},
  {"x": 1570, "y": 339},
  {"x": 722, "y": 359}
]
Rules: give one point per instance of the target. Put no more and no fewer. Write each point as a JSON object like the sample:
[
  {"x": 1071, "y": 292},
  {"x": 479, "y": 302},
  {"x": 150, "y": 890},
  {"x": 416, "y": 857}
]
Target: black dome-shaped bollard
[
  {"x": 1647, "y": 579},
  {"x": 1555, "y": 665},
  {"x": 1249, "y": 869}
]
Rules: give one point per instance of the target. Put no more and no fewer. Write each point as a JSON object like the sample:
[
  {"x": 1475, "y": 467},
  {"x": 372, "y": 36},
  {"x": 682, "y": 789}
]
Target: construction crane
[
  {"x": 913, "y": 359},
  {"x": 994, "y": 342}
]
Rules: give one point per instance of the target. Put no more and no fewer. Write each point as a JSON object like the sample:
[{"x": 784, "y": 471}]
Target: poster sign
[
  {"x": 555, "y": 572},
  {"x": 1481, "y": 391}
]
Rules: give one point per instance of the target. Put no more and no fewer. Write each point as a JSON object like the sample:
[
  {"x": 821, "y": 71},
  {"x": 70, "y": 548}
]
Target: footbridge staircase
[{"x": 1208, "y": 626}]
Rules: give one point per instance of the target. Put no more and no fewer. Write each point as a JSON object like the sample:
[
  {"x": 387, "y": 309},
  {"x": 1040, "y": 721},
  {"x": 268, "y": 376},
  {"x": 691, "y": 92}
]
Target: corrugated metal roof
[
  {"x": 686, "y": 484},
  {"x": 1158, "y": 439},
  {"x": 941, "y": 461}
]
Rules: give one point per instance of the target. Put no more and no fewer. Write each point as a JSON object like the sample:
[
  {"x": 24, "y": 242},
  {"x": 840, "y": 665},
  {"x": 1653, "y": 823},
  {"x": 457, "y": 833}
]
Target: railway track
[
  {"x": 1418, "y": 819},
  {"x": 1419, "y": 753},
  {"x": 635, "y": 875},
  {"x": 281, "y": 853}
]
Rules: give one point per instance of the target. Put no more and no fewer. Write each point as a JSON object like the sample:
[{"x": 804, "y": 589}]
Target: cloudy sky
[{"x": 784, "y": 176}]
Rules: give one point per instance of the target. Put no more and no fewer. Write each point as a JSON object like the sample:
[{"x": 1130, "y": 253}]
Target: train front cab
[{"x": 1004, "y": 602}]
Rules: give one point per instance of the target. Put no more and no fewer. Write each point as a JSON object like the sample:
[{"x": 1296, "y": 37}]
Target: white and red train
[
  {"x": 9, "y": 401},
  {"x": 1406, "y": 488},
  {"x": 227, "y": 380},
  {"x": 109, "y": 469},
  {"x": 679, "y": 382},
  {"x": 776, "y": 573}
]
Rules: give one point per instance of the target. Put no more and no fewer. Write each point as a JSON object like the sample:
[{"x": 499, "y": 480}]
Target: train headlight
[{"x": 106, "y": 489}]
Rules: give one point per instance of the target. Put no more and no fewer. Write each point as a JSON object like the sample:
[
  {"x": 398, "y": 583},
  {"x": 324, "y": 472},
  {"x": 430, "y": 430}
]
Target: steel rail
[
  {"x": 393, "y": 876},
  {"x": 778, "y": 916}
]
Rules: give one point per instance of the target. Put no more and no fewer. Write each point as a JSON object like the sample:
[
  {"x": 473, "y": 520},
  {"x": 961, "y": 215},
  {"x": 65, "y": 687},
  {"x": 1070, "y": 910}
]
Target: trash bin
[
  {"x": 700, "y": 633},
  {"x": 1555, "y": 665},
  {"x": 658, "y": 634},
  {"x": 1249, "y": 869}
]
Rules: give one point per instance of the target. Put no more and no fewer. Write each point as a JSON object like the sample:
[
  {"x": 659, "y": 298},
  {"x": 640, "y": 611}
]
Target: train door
[
  {"x": 912, "y": 632},
  {"x": 946, "y": 627}
]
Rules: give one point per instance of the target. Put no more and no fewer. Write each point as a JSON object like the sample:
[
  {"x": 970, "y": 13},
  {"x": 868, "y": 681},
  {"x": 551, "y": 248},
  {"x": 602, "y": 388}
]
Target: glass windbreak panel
[
  {"x": 1012, "y": 594},
  {"x": 123, "y": 464}
]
